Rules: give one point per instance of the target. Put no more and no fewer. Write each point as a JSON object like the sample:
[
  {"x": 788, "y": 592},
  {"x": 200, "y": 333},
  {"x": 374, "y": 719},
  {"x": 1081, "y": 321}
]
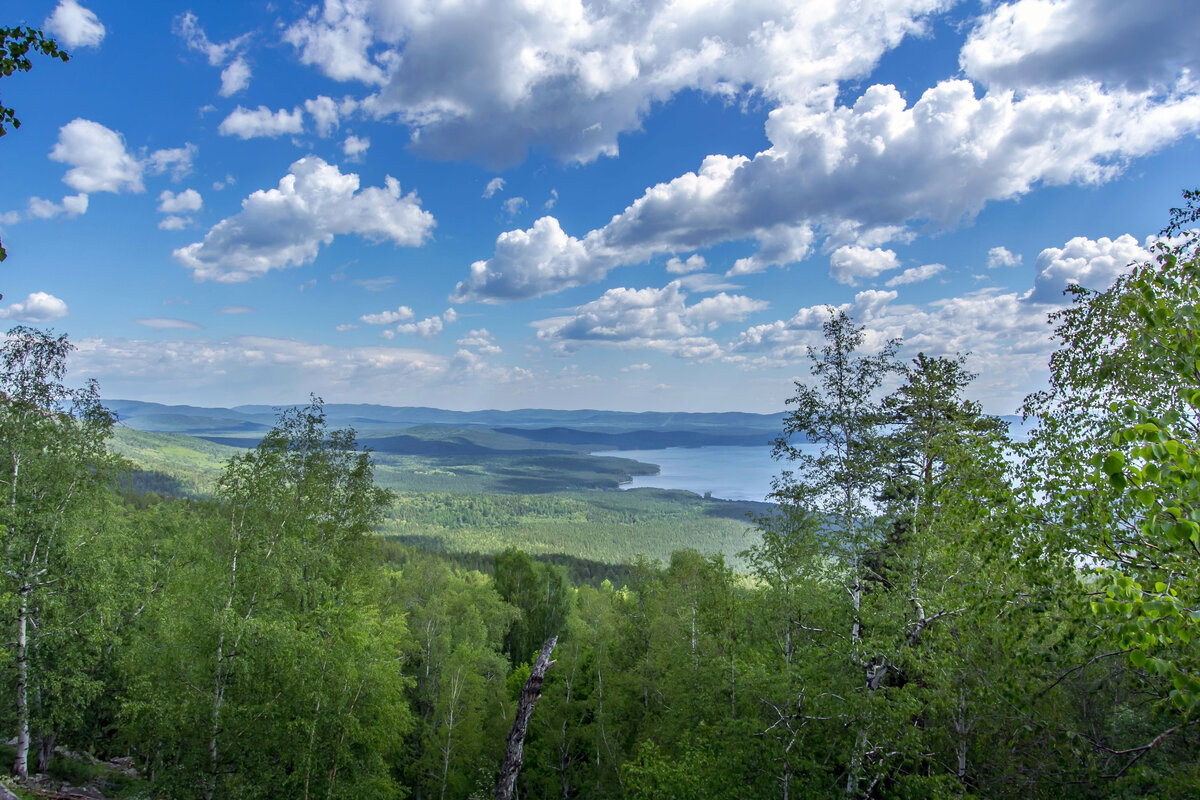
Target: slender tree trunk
[
  {"x": 312, "y": 736},
  {"x": 455, "y": 690},
  {"x": 962, "y": 728},
  {"x": 221, "y": 673},
  {"x": 20, "y": 766},
  {"x": 218, "y": 700},
  {"x": 695, "y": 660},
  {"x": 333, "y": 770},
  {"x": 732, "y": 686},
  {"x": 446, "y": 754},
  {"x": 854, "y": 772},
  {"x": 45, "y": 751},
  {"x": 312, "y": 728},
  {"x": 600, "y": 717},
  {"x": 564, "y": 747},
  {"x": 516, "y": 737}
]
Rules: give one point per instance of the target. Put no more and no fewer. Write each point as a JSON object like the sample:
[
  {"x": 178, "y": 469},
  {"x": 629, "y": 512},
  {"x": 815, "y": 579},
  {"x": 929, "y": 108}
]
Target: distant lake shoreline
[{"x": 730, "y": 473}]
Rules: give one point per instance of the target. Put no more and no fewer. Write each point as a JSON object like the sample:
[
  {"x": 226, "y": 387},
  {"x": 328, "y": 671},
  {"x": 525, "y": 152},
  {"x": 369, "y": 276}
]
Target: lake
[{"x": 731, "y": 473}]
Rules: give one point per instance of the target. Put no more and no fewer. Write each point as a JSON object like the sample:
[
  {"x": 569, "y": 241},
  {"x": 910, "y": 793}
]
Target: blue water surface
[{"x": 730, "y": 473}]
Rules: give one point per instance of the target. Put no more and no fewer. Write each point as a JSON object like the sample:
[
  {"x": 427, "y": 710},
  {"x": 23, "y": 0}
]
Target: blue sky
[{"x": 528, "y": 203}]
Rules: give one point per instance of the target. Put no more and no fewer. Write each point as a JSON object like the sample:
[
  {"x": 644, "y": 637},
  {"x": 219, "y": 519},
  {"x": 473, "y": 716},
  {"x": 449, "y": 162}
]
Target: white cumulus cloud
[
  {"x": 176, "y": 159},
  {"x": 1040, "y": 42},
  {"x": 174, "y": 222},
  {"x": 37, "y": 307},
  {"x": 850, "y": 262},
  {"x": 245, "y": 123},
  {"x": 427, "y": 328},
  {"x": 325, "y": 114},
  {"x": 1002, "y": 257},
  {"x": 658, "y": 319},
  {"x": 259, "y": 369},
  {"x": 1094, "y": 264},
  {"x": 528, "y": 263},
  {"x": 71, "y": 205},
  {"x": 75, "y": 26},
  {"x": 916, "y": 274},
  {"x": 235, "y": 77},
  {"x": 338, "y": 40},
  {"x": 98, "y": 159},
  {"x": 355, "y": 146},
  {"x": 874, "y": 169},
  {"x": 693, "y": 263},
  {"x": 492, "y": 79},
  {"x": 171, "y": 203},
  {"x": 493, "y": 186},
  {"x": 286, "y": 226},
  {"x": 187, "y": 26},
  {"x": 482, "y": 340},
  {"x": 389, "y": 317}
]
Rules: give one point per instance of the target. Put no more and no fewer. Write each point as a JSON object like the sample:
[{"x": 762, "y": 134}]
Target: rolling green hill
[{"x": 193, "y": 464}]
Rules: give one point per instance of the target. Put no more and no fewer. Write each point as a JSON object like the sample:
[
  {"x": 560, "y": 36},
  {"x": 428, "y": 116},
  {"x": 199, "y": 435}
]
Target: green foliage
[
  {"x": 580, "y": 571},
  {"x": 274, "y": 630},
  {"x": 695, "y": 774},
  {"x": 458, "y": 624},
  {"x": 1151, "y": 570},
  {"x": 55, "y": 473},
  {"x": 607, "y": 527},
  {"x": 540, "y": 592},
  {"x": 15, "y": 46},
  {"x": 1111, "y": 465}
]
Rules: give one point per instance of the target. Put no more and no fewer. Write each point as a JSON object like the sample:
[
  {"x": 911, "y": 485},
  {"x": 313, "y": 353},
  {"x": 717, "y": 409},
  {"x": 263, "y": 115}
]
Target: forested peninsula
[{"x": 930, "y": 609}]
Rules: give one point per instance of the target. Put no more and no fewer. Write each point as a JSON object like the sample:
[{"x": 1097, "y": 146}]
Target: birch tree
[
  {"x": 54, "y": 468},
  {"x": 827, "y": 499}
]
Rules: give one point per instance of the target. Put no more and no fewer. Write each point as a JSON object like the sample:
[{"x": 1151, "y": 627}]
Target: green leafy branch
[
  {"x": 15, "y": 46},
  {"x": 1152, "y": 605}
]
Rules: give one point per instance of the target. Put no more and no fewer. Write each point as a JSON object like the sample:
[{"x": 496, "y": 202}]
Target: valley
[{"x": 479, "y": 482}]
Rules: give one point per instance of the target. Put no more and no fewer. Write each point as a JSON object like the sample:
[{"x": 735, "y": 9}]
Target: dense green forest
[
  {"x": 933, "y": 611},
  {"x": 607, "y": 527}
]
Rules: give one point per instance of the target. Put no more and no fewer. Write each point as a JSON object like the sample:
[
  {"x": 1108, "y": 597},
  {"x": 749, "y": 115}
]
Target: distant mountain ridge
[
  {"x": 644, "y": 439},
  {"x": 420, "y": 430},
  {"x": 376, "y": 419}
]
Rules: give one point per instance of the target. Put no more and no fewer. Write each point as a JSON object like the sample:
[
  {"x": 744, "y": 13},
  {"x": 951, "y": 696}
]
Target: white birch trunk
[{"x": 21, "y": 760}]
